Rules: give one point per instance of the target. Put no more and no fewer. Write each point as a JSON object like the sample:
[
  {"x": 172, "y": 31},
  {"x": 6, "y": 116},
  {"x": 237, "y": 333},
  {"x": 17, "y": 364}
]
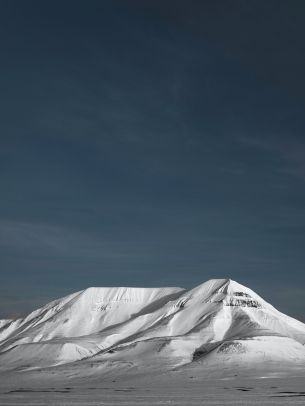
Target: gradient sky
[{"x": 151, "y": 143}]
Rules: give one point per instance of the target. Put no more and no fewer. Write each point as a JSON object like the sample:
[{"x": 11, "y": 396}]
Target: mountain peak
[{"x": 174, "y": 324}]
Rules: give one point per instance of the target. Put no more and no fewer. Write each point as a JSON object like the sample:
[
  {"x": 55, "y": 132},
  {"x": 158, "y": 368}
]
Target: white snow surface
[{"x": 100, "y": 330}]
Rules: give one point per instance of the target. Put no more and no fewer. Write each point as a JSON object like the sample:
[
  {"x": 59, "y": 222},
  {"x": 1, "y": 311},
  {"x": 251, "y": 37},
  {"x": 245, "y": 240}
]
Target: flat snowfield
[{"x": 185, "y": 391}]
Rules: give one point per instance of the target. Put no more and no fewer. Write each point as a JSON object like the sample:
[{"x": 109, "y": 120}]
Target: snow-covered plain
[{"x": 143, "y": 346}]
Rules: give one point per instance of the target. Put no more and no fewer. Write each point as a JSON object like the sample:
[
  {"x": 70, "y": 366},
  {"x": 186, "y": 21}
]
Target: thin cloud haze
[{"x": 151, "y": 143}]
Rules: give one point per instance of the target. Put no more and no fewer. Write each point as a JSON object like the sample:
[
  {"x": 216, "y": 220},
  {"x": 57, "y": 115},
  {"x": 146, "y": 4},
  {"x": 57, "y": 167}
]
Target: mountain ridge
[{"x": 217, "y": 321}]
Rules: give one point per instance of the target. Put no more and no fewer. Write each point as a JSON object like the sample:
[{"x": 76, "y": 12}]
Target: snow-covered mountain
[{"x": 219, "y": 322}]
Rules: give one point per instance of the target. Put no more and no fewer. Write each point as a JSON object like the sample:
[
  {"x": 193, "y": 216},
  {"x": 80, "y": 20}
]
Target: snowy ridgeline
[{"x": 100, "y": 329}]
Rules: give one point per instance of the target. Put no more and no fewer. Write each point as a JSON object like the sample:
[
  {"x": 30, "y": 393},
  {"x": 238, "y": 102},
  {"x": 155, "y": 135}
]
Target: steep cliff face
[{"x": 218, "y": 321}]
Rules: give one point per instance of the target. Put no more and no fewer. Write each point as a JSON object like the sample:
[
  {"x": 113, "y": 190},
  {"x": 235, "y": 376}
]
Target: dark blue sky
[{"x": 151, "y": 143}]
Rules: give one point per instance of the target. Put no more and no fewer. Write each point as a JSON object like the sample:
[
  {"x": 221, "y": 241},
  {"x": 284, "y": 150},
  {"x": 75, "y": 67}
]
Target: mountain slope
[{"x": 217, "y": 322}]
